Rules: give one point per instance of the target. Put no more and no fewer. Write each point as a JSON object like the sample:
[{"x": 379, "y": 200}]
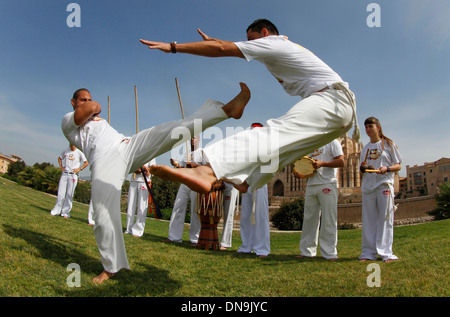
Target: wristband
[
  {"x": 173, "y": 47},
  {"x": 388, "y": 169}
]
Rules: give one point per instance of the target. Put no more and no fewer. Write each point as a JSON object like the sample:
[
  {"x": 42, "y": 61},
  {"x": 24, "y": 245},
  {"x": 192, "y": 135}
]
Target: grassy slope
[{"x": 36, "y": 249}]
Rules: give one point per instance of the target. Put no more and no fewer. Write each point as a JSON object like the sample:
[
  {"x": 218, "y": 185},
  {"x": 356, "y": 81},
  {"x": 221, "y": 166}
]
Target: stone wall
[{"x": 409, "y": 208}]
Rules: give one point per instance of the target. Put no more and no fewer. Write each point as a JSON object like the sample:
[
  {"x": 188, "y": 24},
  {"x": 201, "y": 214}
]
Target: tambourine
[{"x": 304, "y": 168}]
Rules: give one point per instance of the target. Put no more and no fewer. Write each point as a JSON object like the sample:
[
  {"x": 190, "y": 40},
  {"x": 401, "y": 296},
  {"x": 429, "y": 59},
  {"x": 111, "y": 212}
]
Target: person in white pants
[
  {"x": 184, "y": 195},
  {"x": 71, "y": 162},
  {"x": 321, "y": 199},
  {"x": 138, "y": 201},
  {"x": 255, "y": 234},
  {"x": 252, "y": 157},
  {"x": 91, "y": 221},
  {"x": 230, "y": 197},
  {"x": 381, "y": 154},
  {"x": 112, "y": 156},
  {"x": 178, "y": 216}
]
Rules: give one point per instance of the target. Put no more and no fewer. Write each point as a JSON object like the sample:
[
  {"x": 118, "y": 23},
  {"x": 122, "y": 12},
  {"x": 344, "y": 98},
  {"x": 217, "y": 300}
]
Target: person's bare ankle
[
  {"x": 235, "y": 108},
  {"x": 195, "y": 178},
  {"x": 102, "y": 277}
]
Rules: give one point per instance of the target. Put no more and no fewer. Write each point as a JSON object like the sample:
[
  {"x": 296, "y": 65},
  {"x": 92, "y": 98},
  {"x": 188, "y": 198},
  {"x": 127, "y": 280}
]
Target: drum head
[{"x": 304, "y": 167}]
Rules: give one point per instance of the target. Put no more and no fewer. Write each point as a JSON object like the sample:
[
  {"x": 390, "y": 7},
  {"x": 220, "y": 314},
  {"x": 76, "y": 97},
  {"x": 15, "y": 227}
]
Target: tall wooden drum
[{"x": 210, "y": 210}]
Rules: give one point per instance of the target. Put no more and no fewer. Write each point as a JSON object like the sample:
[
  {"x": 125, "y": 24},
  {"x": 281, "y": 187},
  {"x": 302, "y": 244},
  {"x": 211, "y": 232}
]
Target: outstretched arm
[
  {"x": 209, "y": 47},
  {"x": 86, "y": 110}
]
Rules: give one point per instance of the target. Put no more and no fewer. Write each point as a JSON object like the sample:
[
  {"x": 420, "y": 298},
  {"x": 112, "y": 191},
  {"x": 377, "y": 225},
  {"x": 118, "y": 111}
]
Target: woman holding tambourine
[{"x": 380, "y": 158}]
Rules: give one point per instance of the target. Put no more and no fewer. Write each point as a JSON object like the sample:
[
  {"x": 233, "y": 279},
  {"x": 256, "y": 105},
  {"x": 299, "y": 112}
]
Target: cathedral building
[{"x": 285, "y": 187}]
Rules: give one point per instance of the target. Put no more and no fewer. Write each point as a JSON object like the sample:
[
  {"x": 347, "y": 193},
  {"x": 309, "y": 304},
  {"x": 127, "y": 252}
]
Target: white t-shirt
[
  {"x": 378, "y": 157},
  {"x": 196, "y": 157},
  {"x": 94, "y": 138},
  {"x": 297, "y": 69},
  {"x": 71, "y": 160},
  {"x": 326, "y": 175}
]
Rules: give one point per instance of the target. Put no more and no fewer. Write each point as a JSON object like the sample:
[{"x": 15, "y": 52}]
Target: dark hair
[
  {"x": 373, "y": 120},
  {"x": 77, "y": 92},
  {"x": 259, "y": 24}
]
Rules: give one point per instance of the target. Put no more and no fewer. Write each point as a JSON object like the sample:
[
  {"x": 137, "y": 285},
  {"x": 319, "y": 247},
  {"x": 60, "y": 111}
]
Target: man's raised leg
[
  {"x": 235, "y": 108},
  {"x": 201, "y": 178}
]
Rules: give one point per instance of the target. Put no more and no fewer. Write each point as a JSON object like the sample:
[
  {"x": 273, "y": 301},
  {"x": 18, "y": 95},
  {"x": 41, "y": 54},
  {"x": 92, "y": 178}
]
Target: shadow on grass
[
  {"x": 145, "y": 280},
  {"x": 232, "y": 253}
]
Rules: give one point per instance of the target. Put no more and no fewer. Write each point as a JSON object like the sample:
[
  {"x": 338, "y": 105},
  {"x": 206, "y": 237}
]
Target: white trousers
[
  {"x": 378, "y": 224},
  {"x": 256, "y": 155},
  {"x": 91, "y": 213},
  {"x": 137, "y": 208},
  {"x": 110, "y": 170},
  {"x": 176, "y": 226},
  {"x": 66, "y": 189},
  {"x": 320, "y": 212},
  {"x": 230, "y": 195},
  {"x": 255, "y": 236}
]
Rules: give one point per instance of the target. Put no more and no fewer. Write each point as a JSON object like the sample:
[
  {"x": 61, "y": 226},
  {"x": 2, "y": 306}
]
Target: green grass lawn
[{"x": 36, "y": 250}]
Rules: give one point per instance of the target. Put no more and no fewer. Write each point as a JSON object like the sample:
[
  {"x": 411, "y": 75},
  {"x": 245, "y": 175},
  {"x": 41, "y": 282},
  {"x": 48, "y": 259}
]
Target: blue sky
[{"x": 398, "y": 71}]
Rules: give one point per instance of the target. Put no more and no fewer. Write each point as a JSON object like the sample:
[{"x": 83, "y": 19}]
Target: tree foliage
[
  {"x": 442, "y": 210},
  {"x": 165, "y": 192},
  {"x": 290, "y": 215}
]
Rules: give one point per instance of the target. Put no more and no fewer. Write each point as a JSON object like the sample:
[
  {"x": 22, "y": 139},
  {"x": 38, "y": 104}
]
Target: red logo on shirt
[
  {"x": 326, "y": 191},
  {"x": 386, "y": 192}
]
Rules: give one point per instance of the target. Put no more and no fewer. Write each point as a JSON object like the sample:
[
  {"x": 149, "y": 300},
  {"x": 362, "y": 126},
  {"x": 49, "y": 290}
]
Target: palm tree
[{"x": 442, "y": 210}]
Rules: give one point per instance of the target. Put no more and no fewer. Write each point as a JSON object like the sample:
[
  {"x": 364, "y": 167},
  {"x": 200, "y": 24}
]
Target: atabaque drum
[{"x": 210, "y": 210}]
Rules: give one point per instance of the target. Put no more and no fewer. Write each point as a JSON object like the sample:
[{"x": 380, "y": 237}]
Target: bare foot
[
  {"x": 235, "y": 108},
  {"x": 389, "y": 260},
  {"x": 302, "y": 256},
  {"x": 199, "y": 179},
  {"x": 104, "y": 276}
]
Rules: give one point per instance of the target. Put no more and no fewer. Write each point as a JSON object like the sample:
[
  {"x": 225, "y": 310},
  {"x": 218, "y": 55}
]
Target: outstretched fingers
[
  {"x": 165, "y": 47},
  {"x": 204, "y": 36}
]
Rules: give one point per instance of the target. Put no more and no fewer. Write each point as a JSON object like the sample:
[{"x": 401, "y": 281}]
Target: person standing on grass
[
  {"x": 382, "y": 155},
  {"x": 230, "y": 196},
  {"x": 321, "y": 198},
  {"x": 71, "y": 162},
  {"x": 255, "y": 224},
  {"x": 184, "y": 195},
  {"x": 138, "y": 196},
  {"x": 112, "y": 156}
]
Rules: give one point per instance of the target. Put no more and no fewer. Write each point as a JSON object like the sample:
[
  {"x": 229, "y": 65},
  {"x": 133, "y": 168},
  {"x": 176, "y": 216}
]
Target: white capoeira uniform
[
  {"x": 112, "y": 156},
  {"x": 378, "y": 202},
  {"x": 184, "y": 195},
  {"x": 68, "y": 182},
  {"x": 256, "y": 155},
  {"x": 137, "y": 203},
  {"x": 320, "y": 210},
  {"x": 230, "y": 196},
  {"x": 255, "y": 235}
]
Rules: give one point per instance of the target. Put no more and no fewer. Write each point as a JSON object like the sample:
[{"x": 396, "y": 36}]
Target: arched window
[{"x": 278, "y": 188}]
